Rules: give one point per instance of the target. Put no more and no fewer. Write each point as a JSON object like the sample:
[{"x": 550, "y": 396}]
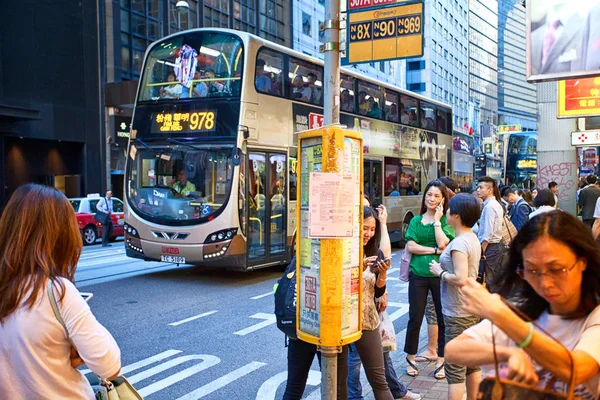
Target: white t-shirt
[
  {"x": 597, "y": 209},
  {"x": 541, "y": 210},
  {"x": 35, "y": 352},
  {"x": 579, "y": 334}
]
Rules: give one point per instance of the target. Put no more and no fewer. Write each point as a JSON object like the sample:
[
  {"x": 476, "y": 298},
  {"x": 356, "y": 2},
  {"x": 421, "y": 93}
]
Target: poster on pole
[{"x": 331, "y": 212}]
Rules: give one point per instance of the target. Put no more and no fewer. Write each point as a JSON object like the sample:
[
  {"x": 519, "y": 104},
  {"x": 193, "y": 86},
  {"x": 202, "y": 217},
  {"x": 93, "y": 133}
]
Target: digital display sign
[
  {"x": 509, "y": 128},
  {"x": 385, "y": 34},
  {"x": 579, "y": 98},
  {"x": 526, "y": 164},
  {"x": 200, "y": 121}
]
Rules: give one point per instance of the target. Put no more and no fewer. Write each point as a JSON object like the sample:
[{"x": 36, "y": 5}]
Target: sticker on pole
[{"x": 331, "y": 205}]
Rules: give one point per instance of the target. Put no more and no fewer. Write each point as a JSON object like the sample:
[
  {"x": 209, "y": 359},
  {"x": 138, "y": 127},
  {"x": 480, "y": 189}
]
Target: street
[{"x": 191, "y": 333}]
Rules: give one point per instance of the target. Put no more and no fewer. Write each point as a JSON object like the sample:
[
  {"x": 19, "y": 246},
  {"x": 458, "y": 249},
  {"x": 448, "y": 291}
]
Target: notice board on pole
[{"x": 385, "y": 33}]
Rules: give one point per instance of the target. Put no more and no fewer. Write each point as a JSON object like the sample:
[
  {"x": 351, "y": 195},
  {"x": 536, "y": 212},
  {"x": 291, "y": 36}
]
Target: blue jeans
[{"x": 355, "y": 388}]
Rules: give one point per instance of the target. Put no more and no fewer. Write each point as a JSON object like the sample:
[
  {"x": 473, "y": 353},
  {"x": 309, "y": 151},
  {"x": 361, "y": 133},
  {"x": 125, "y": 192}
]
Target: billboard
[
  {"x": 563, "y": 39},
  {"x": 578, "y": 98}
]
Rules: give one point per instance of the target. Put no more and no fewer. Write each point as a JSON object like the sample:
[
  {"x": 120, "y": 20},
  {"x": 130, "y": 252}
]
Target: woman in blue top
[{"x": 426, "y": 238}]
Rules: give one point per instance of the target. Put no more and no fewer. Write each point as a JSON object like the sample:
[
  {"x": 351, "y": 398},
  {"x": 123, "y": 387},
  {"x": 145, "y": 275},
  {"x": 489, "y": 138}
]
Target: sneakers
[{"x": 410, "y": 396}]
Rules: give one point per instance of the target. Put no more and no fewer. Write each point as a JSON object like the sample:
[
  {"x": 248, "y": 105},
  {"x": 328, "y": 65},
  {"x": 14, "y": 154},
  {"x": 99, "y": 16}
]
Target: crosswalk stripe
[{"x": 195, "y": 317}]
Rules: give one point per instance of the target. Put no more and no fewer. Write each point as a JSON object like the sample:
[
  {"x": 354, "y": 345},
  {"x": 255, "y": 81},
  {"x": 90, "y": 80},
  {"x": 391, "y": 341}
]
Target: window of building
[
  {"x": 381, "y": 66},
  {"x": 244, "y": 15},
  {"x": 216, "y": 13},
  {"x": 139, "y": 27},
  {"x": 347, "y": 93},
  {"x": 434, "y": 24},
  {"x": 269, "y": 72},
  {"x": 416, "y": 65},
  {"x": 370, "y": 100},
  {"x": 306, "y": 82},
  {"x": 306, "y": 24},
  {"x": 417, "y": 87},
  {"x": 184, "y": 19},
  {"x": 271, "y": 21}
]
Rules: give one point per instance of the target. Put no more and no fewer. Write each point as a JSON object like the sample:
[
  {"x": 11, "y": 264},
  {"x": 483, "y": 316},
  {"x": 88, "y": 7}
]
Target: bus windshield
[
  {"x": 179, "y": 183},
  {"x": 193, "y": 65}
]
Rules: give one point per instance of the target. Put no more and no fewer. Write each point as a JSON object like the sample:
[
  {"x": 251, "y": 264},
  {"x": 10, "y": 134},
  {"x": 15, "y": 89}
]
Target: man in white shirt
[
  {"x": 490, "y": 230},
  {"x": 105, "y": 205}
]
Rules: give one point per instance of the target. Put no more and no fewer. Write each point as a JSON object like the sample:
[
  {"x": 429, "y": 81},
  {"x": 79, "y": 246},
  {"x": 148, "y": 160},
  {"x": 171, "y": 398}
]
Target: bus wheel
[{"x": 89, "y": 235}]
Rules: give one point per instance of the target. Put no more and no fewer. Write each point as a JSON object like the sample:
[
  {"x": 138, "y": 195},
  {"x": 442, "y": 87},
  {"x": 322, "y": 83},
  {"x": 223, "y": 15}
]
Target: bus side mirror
[{"x": 236, "y": 157}]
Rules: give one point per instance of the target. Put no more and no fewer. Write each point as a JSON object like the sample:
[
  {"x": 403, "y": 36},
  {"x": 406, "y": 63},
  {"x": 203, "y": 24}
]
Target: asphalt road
[{"x": 198, "y": 333}]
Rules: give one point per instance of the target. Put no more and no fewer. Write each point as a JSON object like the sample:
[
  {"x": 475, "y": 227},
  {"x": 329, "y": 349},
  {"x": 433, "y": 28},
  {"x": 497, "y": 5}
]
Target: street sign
[
  {"x": 384, "y": 34},
  {"x": 585, "y": 138},
  {"x": 578, "y": 98},
  {"x": 488, "y": 148},
  {"x": 502, "y": 129},
  {"x": 364, "y": 4}
]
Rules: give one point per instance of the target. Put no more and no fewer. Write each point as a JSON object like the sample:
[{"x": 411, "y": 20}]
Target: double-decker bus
[
  {"x": 212, "y": 157},
  {"x": 521, "y": 160}
]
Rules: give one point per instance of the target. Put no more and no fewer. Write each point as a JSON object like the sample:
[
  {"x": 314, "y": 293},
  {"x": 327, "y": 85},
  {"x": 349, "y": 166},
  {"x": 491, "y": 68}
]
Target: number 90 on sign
[{"x": 386, "y": 28}]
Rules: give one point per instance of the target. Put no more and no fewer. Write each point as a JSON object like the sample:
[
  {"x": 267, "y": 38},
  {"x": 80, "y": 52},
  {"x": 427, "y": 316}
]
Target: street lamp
[{"x": 181, "y": 6}]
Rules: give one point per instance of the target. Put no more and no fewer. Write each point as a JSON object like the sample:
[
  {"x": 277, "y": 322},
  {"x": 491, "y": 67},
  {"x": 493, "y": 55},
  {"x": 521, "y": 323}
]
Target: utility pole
[{"x": 331, "y": 93}]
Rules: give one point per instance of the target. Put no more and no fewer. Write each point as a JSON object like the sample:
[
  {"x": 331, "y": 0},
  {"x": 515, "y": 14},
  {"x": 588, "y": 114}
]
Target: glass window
[
  {"x": 306, "y": 82},
  {"x": 369, "y": 100},
  {"x": 392, "y": 176},
  {"x": 427, "y": 115},
  {"x": 347, "y": 93},
  {"x": 269, "y": 72},
  {"x": 408, "y": 111},
  {"x": 306, "y": 24},
  {"x": 391, "y": 106},
  {"x": 117, "y": 206},
  {"x": 75, "y": 204},
  {"x": 443, "y": 120},
  {"x": 193, "y": 65}
]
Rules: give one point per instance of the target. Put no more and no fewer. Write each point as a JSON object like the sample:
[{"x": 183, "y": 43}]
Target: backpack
[{"x": 285, "y": 301}]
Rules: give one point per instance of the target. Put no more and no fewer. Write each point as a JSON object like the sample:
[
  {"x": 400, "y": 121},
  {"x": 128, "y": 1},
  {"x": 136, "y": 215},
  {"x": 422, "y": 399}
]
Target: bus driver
[{"x": 182, "y": 185}]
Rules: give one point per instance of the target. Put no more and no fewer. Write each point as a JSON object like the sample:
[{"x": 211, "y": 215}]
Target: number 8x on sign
[{"x": 386, "y": 33}]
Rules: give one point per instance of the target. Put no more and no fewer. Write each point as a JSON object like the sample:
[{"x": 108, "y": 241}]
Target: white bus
[{"x": 211, "y": 167}]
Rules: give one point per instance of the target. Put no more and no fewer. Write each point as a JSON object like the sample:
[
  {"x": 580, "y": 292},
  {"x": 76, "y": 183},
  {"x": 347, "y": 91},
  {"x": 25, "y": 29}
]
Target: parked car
[{"x": 91, "y": 230}]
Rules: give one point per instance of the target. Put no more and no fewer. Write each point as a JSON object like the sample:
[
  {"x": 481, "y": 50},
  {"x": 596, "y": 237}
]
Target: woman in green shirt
[{"x": 426, "y": 238}]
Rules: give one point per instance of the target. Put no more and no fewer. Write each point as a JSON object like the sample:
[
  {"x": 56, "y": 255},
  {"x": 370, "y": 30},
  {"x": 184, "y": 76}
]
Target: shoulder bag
[
  {"x": 405, "y": 264},
  {"x": 496, "y": 388},
  {"x": 101, "y": 216},
  {"x": 104, "y": 389}
]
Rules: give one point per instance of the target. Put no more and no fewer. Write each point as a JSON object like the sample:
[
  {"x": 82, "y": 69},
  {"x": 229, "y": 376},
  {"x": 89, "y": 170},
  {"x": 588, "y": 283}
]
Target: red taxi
[{"x": 91, "y": 230}]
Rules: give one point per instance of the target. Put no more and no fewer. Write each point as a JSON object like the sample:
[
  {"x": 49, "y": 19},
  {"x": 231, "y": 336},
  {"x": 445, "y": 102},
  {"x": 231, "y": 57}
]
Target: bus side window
[
  {"x": 268, "y": 76},
  {"x": 306, "y": 82},
  {"x": 391, "y": 106},
  {"x": 347, "y": 93}
]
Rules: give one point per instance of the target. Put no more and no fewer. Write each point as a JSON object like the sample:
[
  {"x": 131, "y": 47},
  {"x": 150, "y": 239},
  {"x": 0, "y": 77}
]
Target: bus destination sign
[
  {"x": 385, "y": 34},
  {"x": 166, "y": 122}
]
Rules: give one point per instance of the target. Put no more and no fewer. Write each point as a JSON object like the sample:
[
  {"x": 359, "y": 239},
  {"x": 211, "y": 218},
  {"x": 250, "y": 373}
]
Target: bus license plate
[{"x": 172, "y": 259}]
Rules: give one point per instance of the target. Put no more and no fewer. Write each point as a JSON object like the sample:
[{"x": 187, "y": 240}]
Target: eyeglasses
[{"x": 554, "y": 274}]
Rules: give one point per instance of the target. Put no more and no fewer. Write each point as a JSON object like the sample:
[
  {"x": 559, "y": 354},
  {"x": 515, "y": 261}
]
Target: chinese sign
[
  {"x": 508, "y": 128},
  {"x": 362, "y": 4},
  {"x": 527, "y": 164},
  {"x": 203, "y": 121},
  {"x": 385, "y": 33},
  {"x": 585, "y": 138},
  {"x": 579, "y": 97}
]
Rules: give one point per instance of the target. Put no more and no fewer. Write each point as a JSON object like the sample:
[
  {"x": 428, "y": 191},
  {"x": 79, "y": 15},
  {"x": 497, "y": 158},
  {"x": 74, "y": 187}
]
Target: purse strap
[
  {"x": 570, "y": 393},
  {"x": 54, "y": 304}
]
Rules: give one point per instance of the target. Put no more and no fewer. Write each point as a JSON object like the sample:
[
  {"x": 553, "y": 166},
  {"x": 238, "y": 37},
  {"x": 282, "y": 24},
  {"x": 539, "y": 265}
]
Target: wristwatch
[{"x": 437, "y": 223}]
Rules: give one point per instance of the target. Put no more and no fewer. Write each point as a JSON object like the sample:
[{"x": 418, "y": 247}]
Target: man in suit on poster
[{"x": 591, "y": 40}]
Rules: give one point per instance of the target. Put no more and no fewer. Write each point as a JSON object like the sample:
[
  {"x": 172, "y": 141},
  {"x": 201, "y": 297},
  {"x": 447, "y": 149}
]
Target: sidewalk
[{"x": 424, "y": 383}]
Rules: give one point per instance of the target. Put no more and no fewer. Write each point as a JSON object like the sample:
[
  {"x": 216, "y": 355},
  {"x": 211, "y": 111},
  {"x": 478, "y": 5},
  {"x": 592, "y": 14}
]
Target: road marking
[
  {"x": 207, "y": 362},
  {"x": 398, "y": 313},
  {"x": 393, "y": 278},
  {"x": 222, "y": 381},
  {"x": 268, "y": 390},
  {"x": 260, "y": 296},
  {"x": 143, "y": 363},
  {"x": 195, "y": 317},
  {"x": 392, "y": 270},
  {"x": 269, "y": 319}
]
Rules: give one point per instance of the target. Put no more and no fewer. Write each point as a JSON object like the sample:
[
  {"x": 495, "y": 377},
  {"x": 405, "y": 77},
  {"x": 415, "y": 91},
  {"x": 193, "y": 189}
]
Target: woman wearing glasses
[{"x": 553, "y": 277}]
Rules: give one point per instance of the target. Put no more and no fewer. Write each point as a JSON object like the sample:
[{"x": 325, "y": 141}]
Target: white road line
[
  {"x": 207, "y": 362},
  {"x": 393, "y": 278},
  {"x": 103, "y": 261},
  {"x": 268, "y": 390},
  {"x": 392, "y": 270},
  {"x": 195, "y": 317},
  {"x": 403, "y": 309},
  {"x": 222, "y": 381},
  {"x": 269, "y": 319},
  {"x": 260, "y": 296},
  {"x": 142, "y": 363}
]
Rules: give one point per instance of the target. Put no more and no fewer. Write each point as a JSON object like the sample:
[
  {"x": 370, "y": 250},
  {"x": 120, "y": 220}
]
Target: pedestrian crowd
[{"x": 507, "y": 282}]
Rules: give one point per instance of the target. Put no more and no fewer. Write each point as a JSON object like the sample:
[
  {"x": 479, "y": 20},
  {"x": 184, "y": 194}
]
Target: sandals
[
  {"x": 411, "y": 368},
  {"x": 439, "y": 372},
  {"x": 425, "y": 359}
]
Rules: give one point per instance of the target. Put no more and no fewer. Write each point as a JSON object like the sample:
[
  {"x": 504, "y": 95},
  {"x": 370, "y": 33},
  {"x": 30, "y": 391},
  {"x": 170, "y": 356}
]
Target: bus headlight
[
  {"x": 219, "y": 236},
  {"x": 131, "y": 231}
]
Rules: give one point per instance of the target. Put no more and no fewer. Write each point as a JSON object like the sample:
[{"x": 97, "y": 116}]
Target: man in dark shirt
[
  {"x": 587, "y": 200},
  {"x": 519, "y": 210}
]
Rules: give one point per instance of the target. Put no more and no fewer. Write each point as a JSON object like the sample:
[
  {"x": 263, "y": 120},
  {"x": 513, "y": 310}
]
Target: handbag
[
  {"x": 497, "y": 388},
  {"x": 405, "y": 264},
  {"x": 102, "y": 217},
  {"x": 104, "y": 389},
  {"x": 509, "y": 231}
]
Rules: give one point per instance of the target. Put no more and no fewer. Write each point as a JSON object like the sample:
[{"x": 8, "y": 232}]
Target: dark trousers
[
  {"x": 589, "y": 222},
  {"x": 107, "y": 230},
  {"x": 418, "y": 288},
  {"x": 494, "y": 256},
  {"x": 300, "y": 358}
]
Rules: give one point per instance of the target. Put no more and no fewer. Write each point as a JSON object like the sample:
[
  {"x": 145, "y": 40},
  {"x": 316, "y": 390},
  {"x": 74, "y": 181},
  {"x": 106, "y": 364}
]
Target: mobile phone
[
  {"x": 375, "y": 266},
  {"x": 86, "y": 296}
]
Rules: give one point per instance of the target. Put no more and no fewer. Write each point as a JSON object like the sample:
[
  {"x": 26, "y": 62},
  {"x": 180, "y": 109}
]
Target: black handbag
[
  {"x": 102, "y": 217},
  {"x": 497, "y": 388}
]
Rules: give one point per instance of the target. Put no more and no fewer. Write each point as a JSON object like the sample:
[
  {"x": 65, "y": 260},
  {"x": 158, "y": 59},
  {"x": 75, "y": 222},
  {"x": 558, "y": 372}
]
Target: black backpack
[{"x": 285, "y": 301}]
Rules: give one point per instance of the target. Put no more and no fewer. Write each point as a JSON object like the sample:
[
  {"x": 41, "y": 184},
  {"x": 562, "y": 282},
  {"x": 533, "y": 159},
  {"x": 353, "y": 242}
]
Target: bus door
[
  {"x": 372, "y": 181},
  {"x": 267, "y": 207}
]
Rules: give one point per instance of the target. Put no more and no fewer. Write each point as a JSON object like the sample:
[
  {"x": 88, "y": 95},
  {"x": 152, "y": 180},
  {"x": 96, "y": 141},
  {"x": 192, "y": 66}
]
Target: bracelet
[
  {"x": 435, "y": 250},
  {"x": 527, "y": 340},
  {"x": 442, "y": 275}
]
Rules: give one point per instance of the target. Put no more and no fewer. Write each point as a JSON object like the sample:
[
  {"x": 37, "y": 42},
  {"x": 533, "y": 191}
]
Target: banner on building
[
  {"x": 579, "y": 97},
  {"x": 563, "y": 39}
]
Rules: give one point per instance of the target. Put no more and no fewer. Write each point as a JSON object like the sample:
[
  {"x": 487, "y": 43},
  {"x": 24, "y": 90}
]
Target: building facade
[
  {"x": 49, "y": 97},
  {"x": 516, "y": 98},
  {"x": 131, "y": 25}
]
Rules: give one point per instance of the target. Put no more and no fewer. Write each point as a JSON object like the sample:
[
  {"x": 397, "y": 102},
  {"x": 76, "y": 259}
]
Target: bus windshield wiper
[
  {"x": 179, "y": 142},
  {"x": 140, "y": 141}
]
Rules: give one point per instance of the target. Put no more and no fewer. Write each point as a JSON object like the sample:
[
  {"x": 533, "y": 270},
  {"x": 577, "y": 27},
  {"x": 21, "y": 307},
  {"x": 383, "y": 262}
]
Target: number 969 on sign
[{"x": 386, "y": 28}]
